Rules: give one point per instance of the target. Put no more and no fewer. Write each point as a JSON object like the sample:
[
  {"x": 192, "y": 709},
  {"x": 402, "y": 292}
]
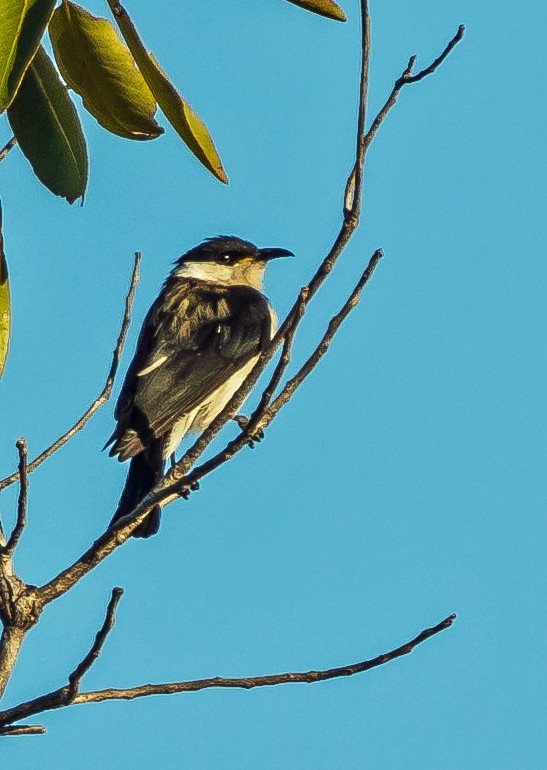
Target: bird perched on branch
[{"x": 199, "y": 340}]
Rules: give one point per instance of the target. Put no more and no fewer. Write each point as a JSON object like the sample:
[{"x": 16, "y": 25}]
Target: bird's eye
[{"x": 226, "y": 259}]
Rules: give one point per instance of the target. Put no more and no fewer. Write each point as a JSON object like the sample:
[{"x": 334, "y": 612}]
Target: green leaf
[
  {"x": 191, "y": 129},
  {"x": 48, "y": 130},
  {"x": 4, "y": 302},
  {"x": 22, "y": 24},
  {"x": 99, "y": 67},
  {"x": 326, "y": 8}
]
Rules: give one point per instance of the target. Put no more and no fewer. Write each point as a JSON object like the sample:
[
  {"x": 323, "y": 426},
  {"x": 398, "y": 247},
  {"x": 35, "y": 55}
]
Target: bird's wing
[{"x": 194, "y": 338}]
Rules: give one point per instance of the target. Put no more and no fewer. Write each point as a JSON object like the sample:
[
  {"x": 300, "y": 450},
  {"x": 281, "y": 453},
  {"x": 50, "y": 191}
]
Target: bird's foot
[
  {"x": 193, "y": 487},
  {"x": 241, "y": 420},
  {"x": 253, "y": 438}
]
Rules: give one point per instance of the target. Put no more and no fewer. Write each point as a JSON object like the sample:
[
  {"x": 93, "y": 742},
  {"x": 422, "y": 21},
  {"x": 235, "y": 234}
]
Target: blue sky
[{"x": 406, "y": 479}]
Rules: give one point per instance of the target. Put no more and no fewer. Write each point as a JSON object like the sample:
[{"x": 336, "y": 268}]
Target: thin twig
[
  {"x": 312, "y": 360},
  {"x": 22, "y": 730},
  {"x": 55, "y": 700},
  {"x": 439, "y": 60},
  {"x": 21, "y": 520},
  {"x": 104, "y": 394},
  {"x": 7, "y": 147},
  {"x": 407, "y": 78},
  {"x": 75, "y": 677},
  {"x": 284, "y": 359}
]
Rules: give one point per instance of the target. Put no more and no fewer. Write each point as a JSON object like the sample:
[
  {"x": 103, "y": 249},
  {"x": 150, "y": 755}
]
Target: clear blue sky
[{"x": 405, "y": 481}]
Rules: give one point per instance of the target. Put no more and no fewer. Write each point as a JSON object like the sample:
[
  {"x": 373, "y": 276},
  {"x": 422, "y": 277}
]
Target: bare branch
[
  {"x": 75, "y": 677},
  {"x": 439, "y": 60},
  {"x": 23, "y": 730},
  {"x": 10, "y": 644},
  {"x": 406, "y": 79},
  {"x": 106, "y": 391},
  {"x": 54, "y": 700},
  {"x": 312, "y": 361},
  {"x": 66, "y": 695},
  {"x": 7, "y": 147},
  {"x": 9, "y": 548},
  {"x": 284, "y": 359}
]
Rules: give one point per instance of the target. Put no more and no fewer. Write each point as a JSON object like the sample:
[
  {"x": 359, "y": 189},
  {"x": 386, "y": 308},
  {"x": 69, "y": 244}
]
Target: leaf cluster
[{"x": 119, "y": 81}]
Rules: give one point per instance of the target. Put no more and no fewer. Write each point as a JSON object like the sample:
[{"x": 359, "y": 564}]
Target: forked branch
[
  {"x": 66, "y": 695},
  {"x": 55, "y": 700}
]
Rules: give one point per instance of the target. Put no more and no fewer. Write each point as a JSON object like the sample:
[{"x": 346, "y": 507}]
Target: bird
[{"x": 198, "y": 342}]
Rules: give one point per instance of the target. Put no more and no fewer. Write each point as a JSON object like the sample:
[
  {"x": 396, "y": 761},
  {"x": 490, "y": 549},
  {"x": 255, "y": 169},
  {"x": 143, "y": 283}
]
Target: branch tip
[
  {"x": 21, "y": 520},
  {"x": 75, "y": 677}
]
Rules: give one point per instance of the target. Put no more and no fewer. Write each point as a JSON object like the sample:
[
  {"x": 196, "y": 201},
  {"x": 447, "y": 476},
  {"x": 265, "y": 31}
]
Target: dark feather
[
  {"x": 207, "y": 334},
  {"x": 145, "y": 470}
]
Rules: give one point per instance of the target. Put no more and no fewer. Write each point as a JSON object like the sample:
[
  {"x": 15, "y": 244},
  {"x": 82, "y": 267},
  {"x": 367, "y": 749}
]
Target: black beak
[{"x": 267, "y": 254}]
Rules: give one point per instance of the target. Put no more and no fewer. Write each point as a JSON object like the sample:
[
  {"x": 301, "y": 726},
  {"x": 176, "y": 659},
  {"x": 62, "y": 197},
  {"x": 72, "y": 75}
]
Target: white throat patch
[{"x": 246, "y": 273}]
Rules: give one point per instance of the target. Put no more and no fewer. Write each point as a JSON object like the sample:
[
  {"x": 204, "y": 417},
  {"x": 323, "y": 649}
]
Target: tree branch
[
  {"x": 66, "y": 695},
  {"x": 407, "y": 78},
  {"x": 54, "y": 700},
  {"x": 10, "y": 644},
  {"x": 83, "y": 667},
  {"x": 22, "y": 499},
  {"x": 7, "y": 147},
  {"x": 22, "y": 730},
  {"x": 104, "y": 394},
  {"x": 312, "y": 361}
]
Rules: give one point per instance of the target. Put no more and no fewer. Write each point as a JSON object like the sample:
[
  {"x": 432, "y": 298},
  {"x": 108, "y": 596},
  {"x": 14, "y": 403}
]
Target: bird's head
[{"x": 228, "y": 260}]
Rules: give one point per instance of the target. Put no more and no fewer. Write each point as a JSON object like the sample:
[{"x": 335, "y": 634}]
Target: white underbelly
[{"x": 202, "y": 416}]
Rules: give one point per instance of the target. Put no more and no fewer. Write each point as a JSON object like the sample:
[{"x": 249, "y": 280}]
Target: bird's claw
[
  {"x": 192, "y": 487},
  {"x": 253, "y": 438}
]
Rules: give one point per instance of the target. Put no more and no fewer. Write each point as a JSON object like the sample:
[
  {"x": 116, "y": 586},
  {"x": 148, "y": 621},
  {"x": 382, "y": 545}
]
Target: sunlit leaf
[
  {"x": 22, "y": 24},
  {"x": 191, "y": 129},
  {"x": 99, "y": 67},
  {"x": 48, "y": 130},
  {"x": 326, "y": 8},
  {"x": 4, "y": 302}
]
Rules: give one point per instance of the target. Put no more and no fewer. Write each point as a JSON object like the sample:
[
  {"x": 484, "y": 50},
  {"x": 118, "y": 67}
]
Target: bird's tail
[{"x": 145, "y": 470}]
